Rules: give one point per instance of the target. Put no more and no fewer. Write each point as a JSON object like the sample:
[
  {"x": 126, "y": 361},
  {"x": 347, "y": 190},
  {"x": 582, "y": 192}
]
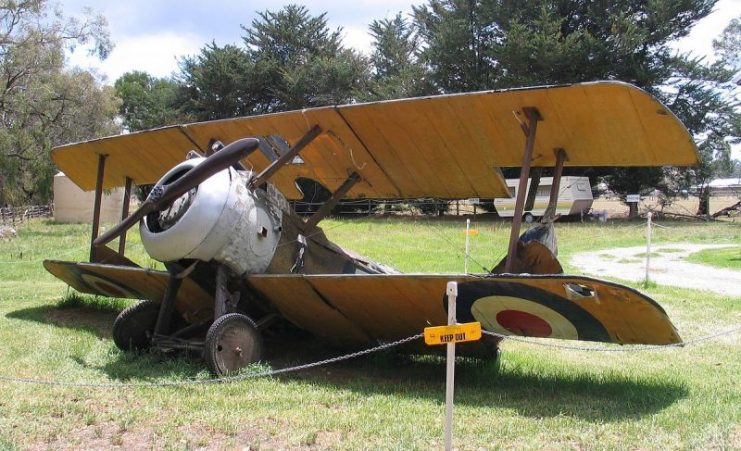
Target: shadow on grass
[
  {"x": 96, "y": 318},
  {"x": 86, "y": 319},
  {"x": 531, "y": 389}
]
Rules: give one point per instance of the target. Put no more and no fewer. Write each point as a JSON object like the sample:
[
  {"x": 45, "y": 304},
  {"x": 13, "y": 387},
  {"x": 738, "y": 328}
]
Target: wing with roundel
[
  {"x": 448, "y": 146},
  {"x": 130, "y": 282},
  {"x": 388, "y": 307}
]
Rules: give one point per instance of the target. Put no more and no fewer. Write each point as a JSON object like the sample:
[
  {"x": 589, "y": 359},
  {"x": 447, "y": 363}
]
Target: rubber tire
[
  {"x": 134, "y": 326},
  {"x": 232, "y": 342},
  {"x": 528, "y": 218}
]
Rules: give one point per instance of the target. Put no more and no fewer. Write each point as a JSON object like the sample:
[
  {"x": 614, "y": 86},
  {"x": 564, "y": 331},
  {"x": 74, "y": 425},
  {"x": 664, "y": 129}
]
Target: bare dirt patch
[
  {"x": 97, "y": 321},
  {"x": 667, "y": 267}
]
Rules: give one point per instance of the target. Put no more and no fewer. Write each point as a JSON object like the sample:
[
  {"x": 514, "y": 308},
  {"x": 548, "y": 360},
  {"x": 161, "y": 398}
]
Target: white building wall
[{"x": 73, "y": 205}]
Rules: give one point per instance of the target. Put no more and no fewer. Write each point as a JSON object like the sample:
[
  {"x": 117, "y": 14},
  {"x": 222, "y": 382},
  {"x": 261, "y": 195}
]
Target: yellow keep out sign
[{"x": 442, "y": 335}]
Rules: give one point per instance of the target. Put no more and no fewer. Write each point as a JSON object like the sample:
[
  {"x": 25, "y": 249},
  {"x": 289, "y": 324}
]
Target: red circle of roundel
[{"x": 524, "y": 323}]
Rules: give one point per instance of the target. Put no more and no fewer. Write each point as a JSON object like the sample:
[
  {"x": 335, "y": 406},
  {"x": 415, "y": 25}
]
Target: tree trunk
[
  {"x": 633, "y": 212},
  {"x": 704, "y": 208}
]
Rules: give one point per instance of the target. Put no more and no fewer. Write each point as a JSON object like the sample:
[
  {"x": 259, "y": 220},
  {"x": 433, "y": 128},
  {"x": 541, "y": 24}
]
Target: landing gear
[
  {"x": 134, "y": 327},
  {"x": 232, "y": 342},
  {"x": 528, "y": 217}
]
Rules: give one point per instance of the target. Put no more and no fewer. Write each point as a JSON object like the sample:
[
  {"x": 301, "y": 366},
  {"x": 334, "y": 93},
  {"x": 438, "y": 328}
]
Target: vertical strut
[
  {"x": 96, "y": 206},
  {"x": 550, "y": 211},
  {"x": 125, "y": 214},
  {"x": 167, "y": 308},
  {"x": 533, "y": 116}
]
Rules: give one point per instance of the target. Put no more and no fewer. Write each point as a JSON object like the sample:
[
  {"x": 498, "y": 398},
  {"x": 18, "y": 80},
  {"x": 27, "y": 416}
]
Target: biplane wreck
[{"x": 238, "y": 258}]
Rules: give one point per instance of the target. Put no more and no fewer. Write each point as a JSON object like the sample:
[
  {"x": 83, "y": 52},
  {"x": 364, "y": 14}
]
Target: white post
[
  {"x": 648, "y": 244},
  {"x": 452, "y": 292},
  {"x": 468, "y": 231}
]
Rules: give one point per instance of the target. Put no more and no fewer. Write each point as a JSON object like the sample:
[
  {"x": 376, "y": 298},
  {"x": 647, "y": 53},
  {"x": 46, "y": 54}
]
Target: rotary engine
[{"x": 220, "y": 220}]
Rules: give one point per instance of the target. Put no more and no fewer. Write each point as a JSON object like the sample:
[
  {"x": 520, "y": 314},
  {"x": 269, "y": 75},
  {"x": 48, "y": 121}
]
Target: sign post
[
  {"x": 452, "y": 292},
  {"x": 450, "y": 335},
  {"x": 468, "y": 246},
  {"x": 648, "y": 243}
]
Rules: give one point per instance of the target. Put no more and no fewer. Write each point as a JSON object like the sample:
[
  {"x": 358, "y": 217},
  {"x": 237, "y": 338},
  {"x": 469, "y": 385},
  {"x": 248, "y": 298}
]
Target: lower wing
[
  {"x": 132, "y": 282},
  {"x": 385, "y": 307},
  {"x": 365, "y": 308}
]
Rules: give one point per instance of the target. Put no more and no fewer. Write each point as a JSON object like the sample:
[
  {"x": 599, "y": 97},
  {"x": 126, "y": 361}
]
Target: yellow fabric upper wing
[{"x": 449, "y": 146}]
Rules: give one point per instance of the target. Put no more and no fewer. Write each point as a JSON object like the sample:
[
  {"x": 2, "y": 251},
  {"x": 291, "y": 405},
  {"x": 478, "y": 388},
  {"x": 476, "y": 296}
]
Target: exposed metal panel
[{"x": 449, "y": 146}]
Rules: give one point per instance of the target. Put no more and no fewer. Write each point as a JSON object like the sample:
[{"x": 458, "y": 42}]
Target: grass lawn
[
  {"x": 538, "y": 398},
  {"x": 727, "y": 257}
]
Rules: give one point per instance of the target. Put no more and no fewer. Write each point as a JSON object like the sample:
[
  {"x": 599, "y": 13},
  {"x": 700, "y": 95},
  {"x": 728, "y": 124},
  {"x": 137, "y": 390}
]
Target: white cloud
[
  {"x": 155, "y": 54},
  {"x": 358, "y": 38},
  {"x": 700, "y": 39}
]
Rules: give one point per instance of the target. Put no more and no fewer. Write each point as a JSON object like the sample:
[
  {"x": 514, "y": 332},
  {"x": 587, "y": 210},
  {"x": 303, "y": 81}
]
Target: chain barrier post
[
  {"x": 468, "y": 329},
  {"x": 452, "y": 292},
  {"x": 468, "y": 245},
  {"x": 648, "y": 244}
]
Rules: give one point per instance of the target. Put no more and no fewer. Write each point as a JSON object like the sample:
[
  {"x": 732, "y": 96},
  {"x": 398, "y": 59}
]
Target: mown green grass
[
  {"x": 727, "y": 257},
  {"x": 540, "y": 397}
]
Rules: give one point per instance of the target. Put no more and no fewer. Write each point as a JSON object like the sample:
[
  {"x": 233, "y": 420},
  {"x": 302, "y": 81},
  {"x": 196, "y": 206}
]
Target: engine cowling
[{"x": 220, "y": 220}]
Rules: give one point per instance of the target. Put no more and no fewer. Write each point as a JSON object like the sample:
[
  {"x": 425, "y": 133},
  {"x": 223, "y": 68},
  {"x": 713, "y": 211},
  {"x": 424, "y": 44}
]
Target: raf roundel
[
  {"x": 511, "y": 308},
  {"x": 108, "y": 287},
  {"x": 513, "y": 315}
]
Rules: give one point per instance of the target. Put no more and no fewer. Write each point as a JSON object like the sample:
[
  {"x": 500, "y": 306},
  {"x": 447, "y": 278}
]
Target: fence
[
  {"x": 429, "y": 206},
  {"x": 14, "y": 216}
]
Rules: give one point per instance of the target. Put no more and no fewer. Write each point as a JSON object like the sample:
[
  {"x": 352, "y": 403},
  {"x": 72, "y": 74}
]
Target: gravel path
[{"x": 667, "y": 267}]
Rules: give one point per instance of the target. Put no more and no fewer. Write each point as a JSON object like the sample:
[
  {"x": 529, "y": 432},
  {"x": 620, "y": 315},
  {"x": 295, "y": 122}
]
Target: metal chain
[
  {"x": 384, "y": 346},
  {"x": 226, "y": 379},
  {"x": 630, "y": 348}
]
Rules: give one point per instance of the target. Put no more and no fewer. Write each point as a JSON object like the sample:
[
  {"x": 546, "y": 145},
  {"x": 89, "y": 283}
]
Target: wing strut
[
  {"x": 329, "y": 204},
  {"x": 550, "y": 211},
  {"x": 268, "y": 172},
  {"x": 125, "y": 214},
  {"x": 533, "y": 116},
  {"x": 96, "y": 205}
]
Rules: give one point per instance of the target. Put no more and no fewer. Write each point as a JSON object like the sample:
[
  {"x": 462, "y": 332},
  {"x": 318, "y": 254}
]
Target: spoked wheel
[
  {"x": 528, "y": 217},
  {"x": 232, "y": 342},
  {"x": 134, "y": 326}
]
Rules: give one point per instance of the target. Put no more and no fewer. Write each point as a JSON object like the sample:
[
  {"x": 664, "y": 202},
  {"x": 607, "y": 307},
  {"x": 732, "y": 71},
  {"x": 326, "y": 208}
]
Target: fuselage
[{"x": 250, "y": 231}]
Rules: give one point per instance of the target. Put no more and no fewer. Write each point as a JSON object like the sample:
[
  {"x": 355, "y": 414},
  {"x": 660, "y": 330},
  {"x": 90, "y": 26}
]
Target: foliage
[
  {"x": 41, "y": 103},
  {"x": 302, "y": 61},
  {"x": 217, "y": 83},
  {"x": 492, "y": 44},
  {"x": 728, "y": 45},
  {"x": 398, "y": 72},
  {"x": 291, "y": 60},
  {"x": 706, "y": 100},
  {"x": 146, "y": 101}
]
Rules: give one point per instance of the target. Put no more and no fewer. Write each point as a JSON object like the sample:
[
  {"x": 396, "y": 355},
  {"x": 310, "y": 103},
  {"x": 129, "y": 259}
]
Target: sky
[{"x": 150, "y": 35}]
